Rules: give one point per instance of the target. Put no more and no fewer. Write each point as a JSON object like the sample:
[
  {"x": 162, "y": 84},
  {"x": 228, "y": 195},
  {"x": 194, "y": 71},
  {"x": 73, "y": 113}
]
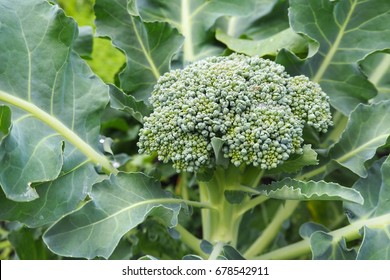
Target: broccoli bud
[{"x": 251, "y": 103}]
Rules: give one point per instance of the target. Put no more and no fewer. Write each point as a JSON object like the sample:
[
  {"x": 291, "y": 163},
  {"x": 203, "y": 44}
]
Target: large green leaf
[
  {"x": 56, "y": 198},
  {"x": 48, "y": 86},
  {"x": 292, "y": 189},
  {"x": 117, "y": 205},
  {"x": 367, "y": 130},
  {"x": 194, "y": 19},
  {"x": 376, "y": 192},
  {"x": 149, "y": 46},
  {"x": 347, "y": 31}
]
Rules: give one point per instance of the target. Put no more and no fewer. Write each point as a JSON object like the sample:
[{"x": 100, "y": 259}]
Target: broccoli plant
[
  {"x": 194, "y": 129},
  {"x": 223, "y": 114}
]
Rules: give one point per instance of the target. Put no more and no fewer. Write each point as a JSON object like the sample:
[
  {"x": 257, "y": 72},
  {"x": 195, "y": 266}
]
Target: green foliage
[
  {"x": 345, "y": 32},
  {"x": 149, "y": 47},
  {"x": 47, "y": 87},
  {"x": 74, "y": 96},
  {"x": 117, "y": 204}
]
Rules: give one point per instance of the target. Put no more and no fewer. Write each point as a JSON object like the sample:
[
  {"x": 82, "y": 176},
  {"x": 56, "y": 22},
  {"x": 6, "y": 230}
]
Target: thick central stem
[{"x": 222, "y": 223}]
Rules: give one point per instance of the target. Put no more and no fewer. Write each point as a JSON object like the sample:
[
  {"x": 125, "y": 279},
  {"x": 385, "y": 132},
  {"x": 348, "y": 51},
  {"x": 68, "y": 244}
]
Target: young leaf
[
  {"x": 149, "y": 46},
  {"x": 297, "y": 162},
  {"x": 48, "y": 97},
  {"x": 117, "y": 205},
  {"x": 231, "y": 253},
  {"x": 307, "y": 229},
  {"x": 344, "y": 30},
  {"x": 217, "y": 144},
  {"x": 193, "y": 19},
  {"x": 366, "y": 131},
  {"x": 192, "y": 258},
  {"x": 127, "y": 103},
  {"x": 291, "y": 189},
  {"x": 287, "y": 39}
]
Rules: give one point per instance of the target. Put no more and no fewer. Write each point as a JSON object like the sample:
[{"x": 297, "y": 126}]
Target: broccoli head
[{"x": 252, "y": 104}]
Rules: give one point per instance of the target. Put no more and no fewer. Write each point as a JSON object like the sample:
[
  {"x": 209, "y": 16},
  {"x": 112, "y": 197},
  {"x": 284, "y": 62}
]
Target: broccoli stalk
[{"x": 225, "y": 116}]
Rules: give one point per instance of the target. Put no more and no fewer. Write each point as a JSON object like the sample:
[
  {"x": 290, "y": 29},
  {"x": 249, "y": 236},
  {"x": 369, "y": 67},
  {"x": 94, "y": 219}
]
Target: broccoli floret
[{"x": 251, "y": 103}]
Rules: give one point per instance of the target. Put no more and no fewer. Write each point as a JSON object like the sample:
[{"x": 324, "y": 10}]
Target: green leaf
[
  {"x": 347, "y": 31},
  {"x": 127, "y": 103},
  {"x": 56, "y": 198},
  {"x": 231, "y": 253},
  {"x": 192, "y": 258},
  {"x": 376, "y": 244},
  {"x": 53, "y": 130},
  {"x": 117, "y": 205},
  {"x": 194, "y": 19},
  {"x": 271, "y": 46},
  {"x": 377, "y": 68},
  {"x": 307, "y": 229},
  {"x": 5, "y": 121},
  {"x": 297, "y": 161},
  {"x": 325, "y": 247},
  {"x": 149, "y": 46},
  {"x": 366, "y": 131},
  {"x": 148, "y": 258},
  {"x": 206, "y": 247},
  {"x": 234, "y": 197},
  {"x": 217, "y": 144},
  {"x": 375, "y": 189},
  {"x": 292, "y": 189},
  {"x": 235, "y": 26}
]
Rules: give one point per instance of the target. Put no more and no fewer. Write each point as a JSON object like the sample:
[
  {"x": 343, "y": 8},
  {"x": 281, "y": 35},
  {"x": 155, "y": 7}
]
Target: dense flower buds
[{"x": 251, "y": 103}]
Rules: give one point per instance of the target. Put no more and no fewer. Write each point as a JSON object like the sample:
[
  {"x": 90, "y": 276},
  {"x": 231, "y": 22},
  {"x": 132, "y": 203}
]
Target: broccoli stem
[{"x": 221, "y": 224}]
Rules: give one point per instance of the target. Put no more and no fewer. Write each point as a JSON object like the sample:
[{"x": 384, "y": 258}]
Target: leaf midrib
[
  {"x": 332, "y": 51},
  {"x": 154, "y": 69},
  {"x": 362, "y": 147},
  {"x": 154, "y": 203},
  {"x": 187, "y": 30},
  {"x": 61, "y": 128}
]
